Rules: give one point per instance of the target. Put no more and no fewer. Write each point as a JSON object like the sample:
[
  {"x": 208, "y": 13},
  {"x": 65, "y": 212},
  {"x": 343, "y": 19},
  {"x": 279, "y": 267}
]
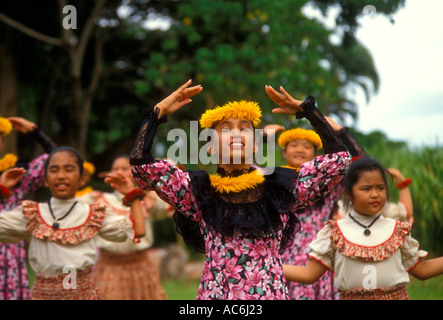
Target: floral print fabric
[
  {"x": 244, "y": 266},
  {"x": 13, "y": 273},
  {"x": 312, "y": 219}
]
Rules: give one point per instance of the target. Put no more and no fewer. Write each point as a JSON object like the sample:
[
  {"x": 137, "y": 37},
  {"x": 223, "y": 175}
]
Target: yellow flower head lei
[
  {"x": 236, "y": 184},
  {"x": 8, "y": 161},
  {"x": 247, "y": 110},
  {"x": 5, "y": 126},
  {"x": 299, "y": 134},
  {"x": 89, "y": 168}
]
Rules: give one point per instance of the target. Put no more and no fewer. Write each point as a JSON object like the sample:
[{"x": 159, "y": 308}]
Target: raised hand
[
  {"x": 22, "y": 125},
  {"x": 178, "y": 98},
  {"x": 274, "y": 128},
  {"x": 287, "y": 103},
  {"x": 119, "y": 182},
  {"x": 10, "y": 177},
  {"x": 396, "y": 175}
]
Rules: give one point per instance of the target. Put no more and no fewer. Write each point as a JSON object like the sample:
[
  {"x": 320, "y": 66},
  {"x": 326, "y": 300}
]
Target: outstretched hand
[
  {"x": 22, "y": 125},
  {"x": 287, "y": 103},
  {"x": 10, "y": 177},
  {"x": 178, "y": 98},
  {"x": 119, "y": 182}
]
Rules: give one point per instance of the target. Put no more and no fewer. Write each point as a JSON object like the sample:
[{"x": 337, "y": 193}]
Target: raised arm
[
  {"x": 125, "y": 186},
  {"x": 319, "y": 176},
  {"x": 27, "y": 127},
  {"x": 171, "y": 183}
]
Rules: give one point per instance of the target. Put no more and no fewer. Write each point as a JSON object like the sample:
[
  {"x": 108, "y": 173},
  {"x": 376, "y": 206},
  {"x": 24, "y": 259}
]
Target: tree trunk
[{"x": 8, "y": 92}]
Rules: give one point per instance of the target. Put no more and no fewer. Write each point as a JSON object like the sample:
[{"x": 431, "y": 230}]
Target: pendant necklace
[
  {"x": 367, "y": 232},
  {"x": 56, "y": 225}
]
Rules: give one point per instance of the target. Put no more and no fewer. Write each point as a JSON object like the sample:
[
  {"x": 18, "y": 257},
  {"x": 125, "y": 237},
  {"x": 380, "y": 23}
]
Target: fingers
[{"x": 281, "y": 110}]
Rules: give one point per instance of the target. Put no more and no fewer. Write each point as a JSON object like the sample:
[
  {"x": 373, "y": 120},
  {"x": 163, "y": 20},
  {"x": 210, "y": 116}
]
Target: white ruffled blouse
[
  {"x": 72, "y": 244},
  {"x": 380, "y": 260}
]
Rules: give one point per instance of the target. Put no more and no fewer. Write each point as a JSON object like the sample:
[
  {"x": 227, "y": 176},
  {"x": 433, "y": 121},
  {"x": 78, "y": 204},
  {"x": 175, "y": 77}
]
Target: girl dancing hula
[{"x": 241, "y": 219}]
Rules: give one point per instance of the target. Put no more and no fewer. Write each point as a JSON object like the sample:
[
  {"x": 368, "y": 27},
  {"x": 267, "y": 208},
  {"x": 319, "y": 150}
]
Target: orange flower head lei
[
  {"x": 89, "y": 168},
  {"x": 5, "y": 126},
  {"x": 299, "y": 134},
  {"x": 245, "y": 110},
  {"x": 9, "y": 160}
]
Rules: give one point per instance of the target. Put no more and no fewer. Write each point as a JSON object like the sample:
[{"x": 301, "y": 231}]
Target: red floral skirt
[
  {"x": 128, "y": 276},
  {"x": 70, "y": 286},
  {"x": 397, "y": 292}
]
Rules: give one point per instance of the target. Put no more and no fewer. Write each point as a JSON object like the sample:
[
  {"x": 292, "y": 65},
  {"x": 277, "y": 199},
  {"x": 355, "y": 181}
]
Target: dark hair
[
  {"x": 71, "y": 150},
  {"x": 356, "y": 169}
]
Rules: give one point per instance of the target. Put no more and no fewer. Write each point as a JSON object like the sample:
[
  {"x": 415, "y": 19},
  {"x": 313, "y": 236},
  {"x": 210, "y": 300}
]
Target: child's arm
[
  {"x": 27, "y": 127},
  {"x": 307, "y": 274},
  {"x": 354, "y": 148},
  {"x": 171, "y": 184},
  {"x": 426, "y": 269},
  {"x": 404, "y": 193},
  {"x": 319, "y": 176},
  {"x": 125, "y": 185}
]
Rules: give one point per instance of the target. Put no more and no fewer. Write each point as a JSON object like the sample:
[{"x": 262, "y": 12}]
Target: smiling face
[
  {"x": 63, "y": 176},
  {"x": 369, "y": 193},
  {"x": 235, "y": 142},
  {"x": 298, "y": 152}
]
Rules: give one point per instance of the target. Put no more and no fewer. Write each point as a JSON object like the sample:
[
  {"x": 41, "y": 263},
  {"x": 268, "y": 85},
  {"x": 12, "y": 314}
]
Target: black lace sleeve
[
  {"x": 354, "y": 148},
  {"x": 45, "y": 141},
  {"x": 141, "y": 151},
  {"x": 329, "y": 138}
]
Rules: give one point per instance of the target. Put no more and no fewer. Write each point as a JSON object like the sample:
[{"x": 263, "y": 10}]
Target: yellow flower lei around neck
[
  {"x": 236, "y": 184},
  {"x": 8, "y": 161}
]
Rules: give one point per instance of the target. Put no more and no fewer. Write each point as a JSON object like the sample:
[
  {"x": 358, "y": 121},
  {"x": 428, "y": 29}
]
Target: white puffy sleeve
[
  {"x": 322, "y": 248},
  {"x": 117, "y": 228},
  {"x": 13, "y": 225},
  {"x": 411, "y": 254}
]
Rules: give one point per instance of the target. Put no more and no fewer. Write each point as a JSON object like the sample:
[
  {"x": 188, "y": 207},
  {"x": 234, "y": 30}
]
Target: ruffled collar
[
  {"x": 377, "y": 252},
  {"x": 39, "y": 229},
  {"x": 236, "y": 181}
]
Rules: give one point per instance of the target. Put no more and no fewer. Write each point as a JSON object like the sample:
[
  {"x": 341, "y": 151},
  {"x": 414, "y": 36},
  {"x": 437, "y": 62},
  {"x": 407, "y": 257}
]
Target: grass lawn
[{"x": 431, "y": 289}]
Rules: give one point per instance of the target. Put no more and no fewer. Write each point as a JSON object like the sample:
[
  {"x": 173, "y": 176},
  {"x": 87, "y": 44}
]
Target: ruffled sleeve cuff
[
  {"x": 411, "y": 254},
  {"x": 322, "y": 248}
]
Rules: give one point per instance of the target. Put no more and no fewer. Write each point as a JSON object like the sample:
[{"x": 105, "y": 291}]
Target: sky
[{"x": 408, "y": 55}]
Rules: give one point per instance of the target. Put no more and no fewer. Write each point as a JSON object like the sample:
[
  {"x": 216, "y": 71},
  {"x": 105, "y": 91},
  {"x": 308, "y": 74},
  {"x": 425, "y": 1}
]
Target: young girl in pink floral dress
[
  {"x": 241, "y": 219},
  {"x": 13, "y": 272}
]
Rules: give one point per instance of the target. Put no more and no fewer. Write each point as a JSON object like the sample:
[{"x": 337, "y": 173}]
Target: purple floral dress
[
  {"x": 241, "y": 265},
  {"x": 13, "y": 273}
]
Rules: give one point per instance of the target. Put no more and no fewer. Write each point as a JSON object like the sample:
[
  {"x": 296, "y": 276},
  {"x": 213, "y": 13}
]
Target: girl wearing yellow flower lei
[
  {"x": 13, "y": 271},
  {"x": 240, "y": 218}
]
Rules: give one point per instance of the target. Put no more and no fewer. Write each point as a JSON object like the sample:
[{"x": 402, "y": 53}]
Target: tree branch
[{"x": 28, "y": 31}]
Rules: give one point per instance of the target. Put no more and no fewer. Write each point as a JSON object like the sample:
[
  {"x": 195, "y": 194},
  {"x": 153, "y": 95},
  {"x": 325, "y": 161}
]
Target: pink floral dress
[
  {"x": 241, "y": 265},
  {"x": 242, "y": 234},
  {"x": 312, "y": 219},
  {"x": 14, "y": 283}
]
